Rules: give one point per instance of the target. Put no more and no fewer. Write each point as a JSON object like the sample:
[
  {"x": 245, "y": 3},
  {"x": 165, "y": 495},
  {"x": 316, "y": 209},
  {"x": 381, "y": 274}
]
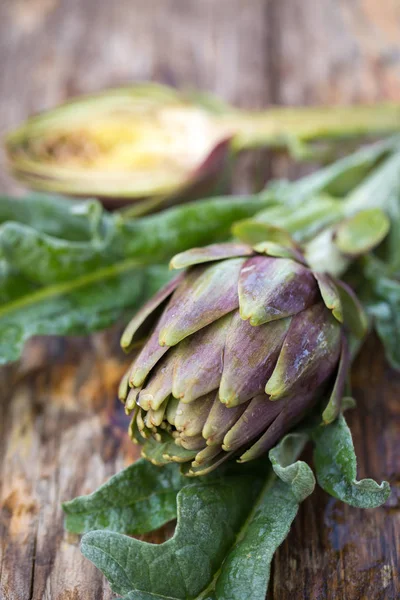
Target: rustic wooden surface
[{"x": 62, "y": 432}]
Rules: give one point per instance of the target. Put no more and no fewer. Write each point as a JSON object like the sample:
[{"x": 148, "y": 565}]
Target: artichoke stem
[{"x": 295, "y": 127}]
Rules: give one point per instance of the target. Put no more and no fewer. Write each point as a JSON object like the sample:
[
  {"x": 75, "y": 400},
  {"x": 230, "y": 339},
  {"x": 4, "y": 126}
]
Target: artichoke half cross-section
[
  {"x": 154, "y": 146},
  {"x": 240, "y": 346},
  {"x": 121, "y": 145}
]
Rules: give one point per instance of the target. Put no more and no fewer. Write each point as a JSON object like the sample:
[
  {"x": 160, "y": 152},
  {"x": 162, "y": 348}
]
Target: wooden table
[{"x": 62, "y": 431}]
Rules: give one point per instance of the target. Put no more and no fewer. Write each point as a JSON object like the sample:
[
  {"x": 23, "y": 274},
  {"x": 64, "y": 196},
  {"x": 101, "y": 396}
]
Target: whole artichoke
[{"x": 242, "y": 344}]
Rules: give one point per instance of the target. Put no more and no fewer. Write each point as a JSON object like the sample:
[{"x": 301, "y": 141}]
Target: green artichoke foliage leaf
[
  {"x": 318, "y": 202},
  {"x": 298, "y": 474},
  {"x": 46, "y": 259},
  {"x": 88, "y": 303},
  {"x": 144, "y": 596},
  {"x": 362, "y": 232},
  {"x": 337, "y": 179},
  {"x": 152, "y": 239},
  {"x": 229, "y": 526},
  {"x": 137, "y": 500},
  {"x": 390, "y": 254},
  {"x": 380, "y": 295},
  {"x": 289, "y": 225},
  {"x": 367, "y": 211},
  {"x": 230, "y": 522},
  {"x": 387, "y": 323},
  {"x": 69, "y": 267},
  {"x": 56, "y": 215},
  {"x": 378, "y": 188},
  {"x": 336, "y": 467},
  {"x": 380, "y": 289},
  {"x": 341, "y": 177}
]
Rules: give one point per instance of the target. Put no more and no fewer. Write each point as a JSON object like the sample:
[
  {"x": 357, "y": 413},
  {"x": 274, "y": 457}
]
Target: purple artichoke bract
[{"x": 240, "y": 346}]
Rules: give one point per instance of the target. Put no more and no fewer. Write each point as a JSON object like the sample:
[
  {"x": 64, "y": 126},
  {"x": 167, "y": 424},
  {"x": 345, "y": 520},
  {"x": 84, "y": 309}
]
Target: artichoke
[
  {"x": 241, "y": 345},
  {"x": 151, "y": 141},
  {"x": 146, "y": 141}
]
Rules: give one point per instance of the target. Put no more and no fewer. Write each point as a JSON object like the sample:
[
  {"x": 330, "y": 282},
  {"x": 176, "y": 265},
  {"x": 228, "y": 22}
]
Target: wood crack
[{"x": 32, "y": 584}]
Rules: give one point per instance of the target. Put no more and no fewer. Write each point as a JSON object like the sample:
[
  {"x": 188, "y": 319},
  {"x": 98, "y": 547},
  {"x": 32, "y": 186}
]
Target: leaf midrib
[
  {"x": 69, "y": 286},
  {"x": 240, "y": 535},
  {"x": 127, "y": 505},
  {"x": 124, "y": 570}
]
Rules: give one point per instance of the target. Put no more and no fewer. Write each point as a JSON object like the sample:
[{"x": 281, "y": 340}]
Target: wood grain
[
  {"x": 61, "y": 436},
  {"x": 335, "y": 551},
  {"x": 62, "y": 432}
]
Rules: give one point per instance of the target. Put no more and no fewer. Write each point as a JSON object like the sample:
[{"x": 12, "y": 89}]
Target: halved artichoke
[
  {"x": 131, "y": 143},
  {"x": 149, "y": 140}
]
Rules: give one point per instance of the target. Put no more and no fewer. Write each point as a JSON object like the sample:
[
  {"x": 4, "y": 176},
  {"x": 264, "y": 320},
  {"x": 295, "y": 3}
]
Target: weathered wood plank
[
  {"x": 59, "y": 435},
  {"x": 54, "y": 49},
  {"x": 336, "y": 551},
  {"x": 333, "y": 52},
  {"x": 344, "y": 52}
]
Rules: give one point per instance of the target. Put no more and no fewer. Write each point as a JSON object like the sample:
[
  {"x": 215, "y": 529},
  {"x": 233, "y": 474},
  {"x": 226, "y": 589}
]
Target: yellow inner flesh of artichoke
[{"x": 173, "y": 139}]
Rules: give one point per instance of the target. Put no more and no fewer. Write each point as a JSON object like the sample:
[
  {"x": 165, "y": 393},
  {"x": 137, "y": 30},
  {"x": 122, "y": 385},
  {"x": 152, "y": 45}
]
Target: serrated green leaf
[
  {"x": 245, "y": 572},
  {"x": 387, "y": 325},
  {"x": 297, "y": 475},
  {"x": 182, "y": 227},
  {"x": 87, "y": 303},
  {"x": 137, "y": 500},
  {"x": 144, "y": 596},
  {"x": 229, "y": 526},
  {"x": 74, "y": 220},
  {"x": 184, "y": 565},
  {"x": 302, "y": 221},
  {"x": 45, "y": 259},
  {"x": 378, "y": 188},
  {"x": 337, "y": 179},
  {"x": 362, "y": 232},
  {"x": 381, "y": 297},
  {"x": 336, "y": 467},
  {"x": 85, "y": 279},
  {"x": 391, "y": 254},
  {"x": 318, "y": 201}
]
